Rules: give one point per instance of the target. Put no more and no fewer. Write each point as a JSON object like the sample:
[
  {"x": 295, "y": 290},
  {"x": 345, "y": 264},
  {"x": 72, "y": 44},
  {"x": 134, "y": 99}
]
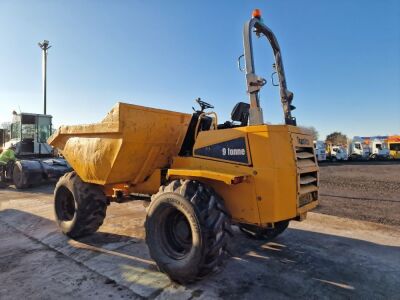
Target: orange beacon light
[{"x": 256, "y": 13}]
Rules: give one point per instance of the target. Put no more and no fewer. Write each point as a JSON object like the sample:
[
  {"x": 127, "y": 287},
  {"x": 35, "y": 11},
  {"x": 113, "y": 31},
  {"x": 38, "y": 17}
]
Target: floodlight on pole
[{"x": 45, "y": 47}]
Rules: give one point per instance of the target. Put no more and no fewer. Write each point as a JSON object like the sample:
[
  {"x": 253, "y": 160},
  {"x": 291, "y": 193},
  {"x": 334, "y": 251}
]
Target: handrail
[{"x": 202, "y": 115}]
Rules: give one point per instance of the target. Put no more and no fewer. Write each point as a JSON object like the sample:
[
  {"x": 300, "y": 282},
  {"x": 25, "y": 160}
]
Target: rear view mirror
[
  {"x": 273, "y": 75},
  {"x": 239, "y": 63}
]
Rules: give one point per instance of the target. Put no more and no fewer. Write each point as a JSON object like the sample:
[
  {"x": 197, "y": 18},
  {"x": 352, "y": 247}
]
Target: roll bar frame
[{"x": 255, "y": 83}]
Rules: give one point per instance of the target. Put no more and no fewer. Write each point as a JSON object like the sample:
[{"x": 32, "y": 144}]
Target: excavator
[
  {"x": 201, "y": 176},
  {"x": 36, "y": 161}
]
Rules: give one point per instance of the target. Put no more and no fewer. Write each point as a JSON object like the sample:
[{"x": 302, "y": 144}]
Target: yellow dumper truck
[
  {"x": 394, "y": 146},
  {"x": 201, "y": 176}
]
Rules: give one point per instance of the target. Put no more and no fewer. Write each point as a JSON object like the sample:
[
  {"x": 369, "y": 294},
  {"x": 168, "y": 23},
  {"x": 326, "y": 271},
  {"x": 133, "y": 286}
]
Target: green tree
[{"x": 336, "y": 138}]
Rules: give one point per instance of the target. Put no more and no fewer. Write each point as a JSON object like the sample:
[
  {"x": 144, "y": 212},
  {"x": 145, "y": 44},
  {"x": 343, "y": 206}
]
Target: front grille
[{"x": 307, "y": 175}]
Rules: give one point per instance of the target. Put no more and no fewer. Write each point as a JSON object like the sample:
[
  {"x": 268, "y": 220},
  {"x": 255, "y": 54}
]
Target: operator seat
[{"x": 240, "y": 113}]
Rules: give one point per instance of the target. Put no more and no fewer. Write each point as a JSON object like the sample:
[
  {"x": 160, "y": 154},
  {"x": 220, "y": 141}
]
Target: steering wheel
[{"x": 203, "y": 105}]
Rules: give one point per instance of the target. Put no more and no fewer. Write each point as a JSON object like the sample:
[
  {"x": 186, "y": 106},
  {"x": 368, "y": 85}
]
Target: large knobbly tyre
[
  {"x": 187, "y": 230},
  {"x": 19, "y": 176},
  {"x": 80, "y": 207},
  {"x": 264, "y": 233}
]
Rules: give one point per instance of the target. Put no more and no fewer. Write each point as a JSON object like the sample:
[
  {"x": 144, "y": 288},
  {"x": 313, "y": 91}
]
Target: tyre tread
[
  {"x": 216, "y": 231},
  {"x": 92, "y": 205}
]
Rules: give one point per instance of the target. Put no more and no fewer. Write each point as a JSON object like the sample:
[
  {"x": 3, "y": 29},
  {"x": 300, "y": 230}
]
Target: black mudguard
[
  {"x": 31, "y": 172},
  {"x": 37, "y": 171},
  {"x": 54, "y": 168}
]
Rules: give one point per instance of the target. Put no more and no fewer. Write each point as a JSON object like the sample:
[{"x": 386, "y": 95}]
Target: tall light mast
[{"x": 45, "y": 47}]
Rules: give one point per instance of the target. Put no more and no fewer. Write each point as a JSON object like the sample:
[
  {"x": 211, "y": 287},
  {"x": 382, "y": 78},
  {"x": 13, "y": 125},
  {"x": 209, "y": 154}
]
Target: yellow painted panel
[
  {"x": 127, "y": 146},
  {"x": 133, "y": 143},
  {"x": 394, "y": 143},
  {"x": 240, "y": 199},
  {"x": 219, "y": 176},
  {"x": 207, "y": 138},
  {"x": 271, "y": 192},
  {"x": 92, "y": 157},
  {"x": 150, "y": 186},
  {"x": 276, "y": 179},
  {"x": 395, "y": 154},
  {"x": 210, "y": 137}
]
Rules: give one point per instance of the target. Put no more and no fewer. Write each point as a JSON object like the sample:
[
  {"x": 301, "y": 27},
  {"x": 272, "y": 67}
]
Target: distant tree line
[
  {"x": 312, "y": 130},
  {"x": 335, "y": 138}
]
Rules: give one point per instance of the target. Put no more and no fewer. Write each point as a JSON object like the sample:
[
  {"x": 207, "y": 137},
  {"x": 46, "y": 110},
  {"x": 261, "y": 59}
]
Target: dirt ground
[
  {"x": 361, "y": 190},
  {"x": 323, "y": 257}
]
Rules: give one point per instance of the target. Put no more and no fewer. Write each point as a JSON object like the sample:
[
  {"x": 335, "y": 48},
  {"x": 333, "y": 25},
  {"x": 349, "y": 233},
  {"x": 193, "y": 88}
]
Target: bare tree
[{"x": 312, "y": 130}]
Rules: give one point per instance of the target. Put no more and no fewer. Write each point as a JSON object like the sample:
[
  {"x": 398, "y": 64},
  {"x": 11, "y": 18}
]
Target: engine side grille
[{"x": 307, "y": 175}]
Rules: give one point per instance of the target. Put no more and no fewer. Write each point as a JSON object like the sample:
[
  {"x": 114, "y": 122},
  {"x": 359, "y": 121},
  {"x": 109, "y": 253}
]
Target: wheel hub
[
  {"x": 65, "y": 205},
  {"x": 177, "y": 237}
]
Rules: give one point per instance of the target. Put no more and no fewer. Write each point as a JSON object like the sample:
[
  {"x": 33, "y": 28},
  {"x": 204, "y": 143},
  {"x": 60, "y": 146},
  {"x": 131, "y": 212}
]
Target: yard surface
[
  {"x": 361, "y": 190},
  {"x": 348, "y": 248}
]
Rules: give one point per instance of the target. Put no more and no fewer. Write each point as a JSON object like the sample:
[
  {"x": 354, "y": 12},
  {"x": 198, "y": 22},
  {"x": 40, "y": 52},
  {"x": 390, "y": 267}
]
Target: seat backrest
[{"x": 240, "y": 113}]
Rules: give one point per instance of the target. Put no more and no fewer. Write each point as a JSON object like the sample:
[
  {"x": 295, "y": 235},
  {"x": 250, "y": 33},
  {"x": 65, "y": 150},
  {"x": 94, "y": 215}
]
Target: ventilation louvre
[{"x": 308, "y": 180}]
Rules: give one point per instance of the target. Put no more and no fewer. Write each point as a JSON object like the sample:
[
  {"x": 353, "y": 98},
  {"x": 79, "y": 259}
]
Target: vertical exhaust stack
[{"x": 45, "y": 47}]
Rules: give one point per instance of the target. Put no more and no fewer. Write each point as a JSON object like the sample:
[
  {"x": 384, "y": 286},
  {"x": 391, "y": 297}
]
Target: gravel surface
[
  {"x": 323, "y": 257},
  {"x": 30, "y": 269},
  {"x": 361, "y": 190}
]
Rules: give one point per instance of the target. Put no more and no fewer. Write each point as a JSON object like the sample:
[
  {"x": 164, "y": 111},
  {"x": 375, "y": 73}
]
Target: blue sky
[{"x": 342, "y": 59}]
